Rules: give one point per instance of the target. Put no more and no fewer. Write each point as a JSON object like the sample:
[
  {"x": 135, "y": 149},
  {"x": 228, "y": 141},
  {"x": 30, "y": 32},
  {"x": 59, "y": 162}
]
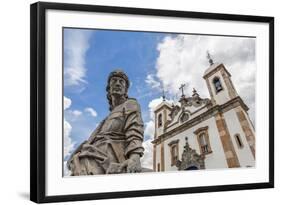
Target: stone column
[
  {"x": 229, "y": 151},
  {"x": 154, "y": 158},
  {"x": 162, "y": 157},
  {"x": 250, "y": 136}
]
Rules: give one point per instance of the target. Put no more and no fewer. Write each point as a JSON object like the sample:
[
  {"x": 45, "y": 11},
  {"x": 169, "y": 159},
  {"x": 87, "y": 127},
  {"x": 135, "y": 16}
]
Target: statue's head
[{"x": 117, "y": 86}]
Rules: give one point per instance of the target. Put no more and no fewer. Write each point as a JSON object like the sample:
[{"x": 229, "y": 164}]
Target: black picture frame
[{"x": 38, "y": 100}]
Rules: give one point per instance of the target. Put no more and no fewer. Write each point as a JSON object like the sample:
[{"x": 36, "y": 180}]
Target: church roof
[
  {"x": 163, "y": 103},
  {"x": 211, "y": 68},
  {"x": 214, "y": 67}
]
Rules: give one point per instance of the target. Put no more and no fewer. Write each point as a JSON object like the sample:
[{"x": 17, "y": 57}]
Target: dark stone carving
[
  {"x": 185, "y": 102},
  {"x": 190, "y": 159},
  {"x": 175, "y": 110},
  {"x": 184, "y": 117},
  {"x": 116, "y": 144},
  {"x": 196, "y": 100}
]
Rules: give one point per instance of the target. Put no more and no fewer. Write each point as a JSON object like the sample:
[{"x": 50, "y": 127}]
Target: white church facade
[{"x": 205, "y": 133}]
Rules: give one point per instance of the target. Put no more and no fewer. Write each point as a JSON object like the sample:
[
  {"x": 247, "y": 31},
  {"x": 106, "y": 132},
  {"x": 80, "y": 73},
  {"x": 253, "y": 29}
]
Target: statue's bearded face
[{"x": 117, "y": 86}]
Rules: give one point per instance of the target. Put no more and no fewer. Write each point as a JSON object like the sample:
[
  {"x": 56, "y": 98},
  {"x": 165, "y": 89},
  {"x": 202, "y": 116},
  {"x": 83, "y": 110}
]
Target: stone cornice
[
  {"x": 174, "y": 142},
  {"x": 159, "y": 108},
  {"x": 172, "y": 123},
  {"x": 220, "y": 66},
  {"x": 200, "y": 130},
  {"x": 231, "y": 104}
]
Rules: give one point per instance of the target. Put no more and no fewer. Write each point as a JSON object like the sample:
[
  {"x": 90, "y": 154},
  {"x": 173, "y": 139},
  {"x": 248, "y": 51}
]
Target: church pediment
[{"x": 189, "y": 109}]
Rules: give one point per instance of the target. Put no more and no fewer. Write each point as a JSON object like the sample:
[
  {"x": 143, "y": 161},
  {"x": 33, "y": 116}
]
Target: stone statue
[{"x": 116, "y": 144}]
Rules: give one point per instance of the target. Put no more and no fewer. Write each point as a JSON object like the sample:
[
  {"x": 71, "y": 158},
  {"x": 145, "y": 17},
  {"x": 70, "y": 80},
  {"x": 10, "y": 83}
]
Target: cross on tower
[{"x": 181, "y": 88}]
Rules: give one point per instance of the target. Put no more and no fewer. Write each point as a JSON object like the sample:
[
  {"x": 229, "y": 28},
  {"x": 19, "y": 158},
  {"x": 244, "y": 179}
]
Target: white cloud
[
  {"x": 147, "y": 159},
  {"x": 73, "y": 115},
  {"x": 149, "y": 129},
  {"x": 91, "y": 111},
  {"x": 184, "y": 58},
  {"x": 76, "y": 113},
  {"x": 152, "y": 82},
  {"x": 65, "y": 169},
  {"x": 68, "y": 143},
  {"x": 76, "y": 44},
  {"x": 66, "y": 102}
]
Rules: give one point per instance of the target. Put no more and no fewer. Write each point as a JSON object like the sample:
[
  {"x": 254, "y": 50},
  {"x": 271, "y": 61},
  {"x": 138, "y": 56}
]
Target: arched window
[
  {"x": 159, "y": 120},
  {"x": 174, "y": 150},
  {"x": 203, "y": 140},
  {"x": 217, "y": 84},
  {"x": 238, "y": 141},
  {"x": 203, "y": 143},
  {"x": 174, "y": 154}
]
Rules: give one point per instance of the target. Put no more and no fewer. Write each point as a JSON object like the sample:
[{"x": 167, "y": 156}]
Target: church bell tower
[
  {"x": 219, "y": 82},
  {"x": 161, "y": 114}
]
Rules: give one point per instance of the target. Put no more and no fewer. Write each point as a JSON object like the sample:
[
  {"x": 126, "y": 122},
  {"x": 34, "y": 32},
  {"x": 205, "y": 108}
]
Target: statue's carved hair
[{"x": 121, "y": 74}]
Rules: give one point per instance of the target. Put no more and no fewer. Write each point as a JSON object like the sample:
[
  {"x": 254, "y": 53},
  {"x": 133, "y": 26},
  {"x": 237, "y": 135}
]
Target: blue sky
[
  {"x": 104, "y": 51},
  {"x": 133, "y": 52},
  {"x": 152, "y": 61}
]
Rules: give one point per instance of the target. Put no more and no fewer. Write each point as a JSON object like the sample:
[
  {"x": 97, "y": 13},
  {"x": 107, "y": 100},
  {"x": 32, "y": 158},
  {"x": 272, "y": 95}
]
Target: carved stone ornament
[
  {"x": 191, "y": 160},
  {"x": 175, "y": 110},
  {"x": 184, "y": 117},
  {"x": 195, "y": 101}
]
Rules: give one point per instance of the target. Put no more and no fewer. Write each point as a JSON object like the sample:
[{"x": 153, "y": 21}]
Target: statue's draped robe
[{"x": 118, "y": 135}]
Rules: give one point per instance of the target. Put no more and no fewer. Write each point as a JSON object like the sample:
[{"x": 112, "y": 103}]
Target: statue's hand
[{"x": 132, "y": 164}]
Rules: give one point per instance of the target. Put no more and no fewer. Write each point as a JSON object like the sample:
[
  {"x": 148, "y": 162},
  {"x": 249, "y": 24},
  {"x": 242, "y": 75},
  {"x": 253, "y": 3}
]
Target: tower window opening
[
  {"x": 160, "y": 120},
  {"x": 217, "y": 84}
]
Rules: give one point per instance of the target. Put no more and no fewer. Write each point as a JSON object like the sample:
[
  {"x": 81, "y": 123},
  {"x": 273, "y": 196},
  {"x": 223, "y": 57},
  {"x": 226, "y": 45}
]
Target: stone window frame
[
  {"x": 174, "y": 145},
  {"x": 213, "y": 81},
  {"x": 198, "y": 133},
  {"x": 160, "y": 120},
  {"x": 238, "y": 139}
]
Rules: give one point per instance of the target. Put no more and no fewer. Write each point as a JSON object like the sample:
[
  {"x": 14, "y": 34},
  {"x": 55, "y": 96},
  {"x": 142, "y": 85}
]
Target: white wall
[
  {"x": 244, "y": 154},
  {"x": 158, "y": 156},
  {"x": 215, "y": 160},
  {"x": 14, "y": 104}
]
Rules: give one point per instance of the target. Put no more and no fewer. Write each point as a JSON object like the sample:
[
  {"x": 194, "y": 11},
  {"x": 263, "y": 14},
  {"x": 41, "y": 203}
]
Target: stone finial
[
  {"x": 195, "y": 94},
  {"x": 210, "y": 59},
  {"x": 186, "y": 143},
  {"x": 163, "y": 95}
]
